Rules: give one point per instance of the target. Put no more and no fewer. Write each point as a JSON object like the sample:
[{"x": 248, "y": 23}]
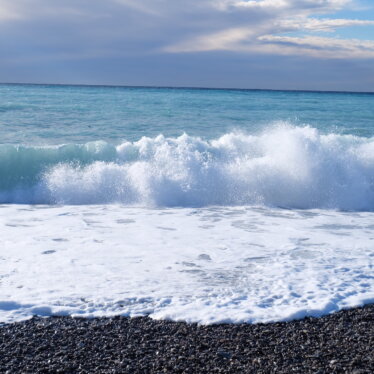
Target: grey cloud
[
  {"x": 142, "y": 41},
  {"x": 129, "y": 26}
]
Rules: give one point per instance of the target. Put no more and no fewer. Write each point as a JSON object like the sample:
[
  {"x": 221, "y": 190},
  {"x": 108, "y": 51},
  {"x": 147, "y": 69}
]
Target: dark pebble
[{"x": 339, "y": 343}]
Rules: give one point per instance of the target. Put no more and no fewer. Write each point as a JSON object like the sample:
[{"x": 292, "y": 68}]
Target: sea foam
[
  {"x": 206, "y": 265},
  {"x": 285, "y": 166}
]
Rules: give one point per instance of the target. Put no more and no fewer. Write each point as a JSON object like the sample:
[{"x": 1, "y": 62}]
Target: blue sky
[{"x": 277, "y": 44}]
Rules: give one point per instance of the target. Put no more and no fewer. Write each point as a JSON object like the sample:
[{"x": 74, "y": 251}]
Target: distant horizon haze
[{"x": 185, "y": 87}]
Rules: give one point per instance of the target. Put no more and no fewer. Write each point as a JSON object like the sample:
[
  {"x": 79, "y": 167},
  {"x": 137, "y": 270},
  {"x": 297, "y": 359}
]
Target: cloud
[
  {"x": 321, "y": 25},
  {"x": 223, "y": 40},
  {"x": 313, "y": 46},
  {"x": 266, "y": 22},
  {"x": 253, "y": 4},
  {"x": 99, "y": 33},
  {"x": 8, "y": 11},
  {"x": 320, "y": 6},
  {"x": 316, "y": 46}
]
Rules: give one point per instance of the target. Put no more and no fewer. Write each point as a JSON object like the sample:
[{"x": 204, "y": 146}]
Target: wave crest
[{"x": 293, "y": 167}]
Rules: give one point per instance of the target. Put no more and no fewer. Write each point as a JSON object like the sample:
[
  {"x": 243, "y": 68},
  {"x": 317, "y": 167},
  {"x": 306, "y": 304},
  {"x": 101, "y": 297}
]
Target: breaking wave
[{"x": 285, "y": 166}]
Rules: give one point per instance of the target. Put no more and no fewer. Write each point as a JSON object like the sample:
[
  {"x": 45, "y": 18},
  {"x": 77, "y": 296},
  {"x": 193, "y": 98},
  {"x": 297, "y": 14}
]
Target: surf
[{"x": 282, "y": 166}]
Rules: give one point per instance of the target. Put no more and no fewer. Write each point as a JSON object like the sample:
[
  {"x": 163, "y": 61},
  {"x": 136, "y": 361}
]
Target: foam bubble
[{"x": 285, "y": 166}]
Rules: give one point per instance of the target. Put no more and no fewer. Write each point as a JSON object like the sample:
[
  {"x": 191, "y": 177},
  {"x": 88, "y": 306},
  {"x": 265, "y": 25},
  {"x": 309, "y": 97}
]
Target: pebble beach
[{"x": 339, "y": 343}]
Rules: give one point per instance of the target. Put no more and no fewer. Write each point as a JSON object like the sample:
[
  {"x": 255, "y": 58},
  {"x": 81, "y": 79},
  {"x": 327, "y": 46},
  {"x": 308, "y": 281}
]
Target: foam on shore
[{"x": 206, "y": 265}]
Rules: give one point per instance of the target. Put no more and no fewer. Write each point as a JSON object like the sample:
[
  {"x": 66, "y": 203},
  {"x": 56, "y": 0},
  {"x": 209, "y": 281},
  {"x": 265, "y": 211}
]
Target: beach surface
[{"x": 342, "y": 342}]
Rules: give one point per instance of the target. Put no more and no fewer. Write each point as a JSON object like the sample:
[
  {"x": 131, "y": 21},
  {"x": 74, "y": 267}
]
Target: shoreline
[{"x": 342, "y": 342}]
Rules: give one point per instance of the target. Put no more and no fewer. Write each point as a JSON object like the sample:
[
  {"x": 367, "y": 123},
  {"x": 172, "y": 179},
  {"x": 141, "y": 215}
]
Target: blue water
[
  {"x": 41, "y": 114},
  {"x": 186, "y": 147}
]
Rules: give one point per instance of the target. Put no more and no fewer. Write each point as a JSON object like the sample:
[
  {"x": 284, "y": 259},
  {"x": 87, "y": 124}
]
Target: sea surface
[{"x": 196, "y": 205}]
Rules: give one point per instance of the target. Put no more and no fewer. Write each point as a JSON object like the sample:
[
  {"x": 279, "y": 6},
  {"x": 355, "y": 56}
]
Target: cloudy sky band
[{"x": 64, "y": 32}]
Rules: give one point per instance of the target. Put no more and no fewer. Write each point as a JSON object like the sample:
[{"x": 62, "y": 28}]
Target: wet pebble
[{"x": 340, "y": 343}]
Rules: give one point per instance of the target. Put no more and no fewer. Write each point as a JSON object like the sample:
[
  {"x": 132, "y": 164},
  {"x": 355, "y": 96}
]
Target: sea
[{"x": 197, "y": 205}]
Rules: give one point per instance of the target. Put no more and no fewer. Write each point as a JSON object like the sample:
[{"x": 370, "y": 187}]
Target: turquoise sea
[
  {"x": 186, "y": 147},
  {"x": 50, "y": 114}
]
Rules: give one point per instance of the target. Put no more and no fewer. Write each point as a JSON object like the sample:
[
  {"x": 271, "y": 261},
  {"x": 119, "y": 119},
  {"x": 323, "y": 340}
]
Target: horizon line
[{"x": 184, "y": 87}]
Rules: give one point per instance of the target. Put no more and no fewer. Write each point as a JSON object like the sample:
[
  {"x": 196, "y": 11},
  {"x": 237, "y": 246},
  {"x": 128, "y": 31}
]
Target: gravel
[{"x": 339, "y": 343}]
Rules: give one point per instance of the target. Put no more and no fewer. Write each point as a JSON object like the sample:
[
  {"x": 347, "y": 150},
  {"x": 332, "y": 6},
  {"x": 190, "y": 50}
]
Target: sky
[{"x": 267, "y": 44}]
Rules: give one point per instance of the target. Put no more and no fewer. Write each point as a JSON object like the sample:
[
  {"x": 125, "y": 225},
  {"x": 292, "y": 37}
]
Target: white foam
[
  {"x": 285, "y": 166},
  {"x": 206, "y": 265}
]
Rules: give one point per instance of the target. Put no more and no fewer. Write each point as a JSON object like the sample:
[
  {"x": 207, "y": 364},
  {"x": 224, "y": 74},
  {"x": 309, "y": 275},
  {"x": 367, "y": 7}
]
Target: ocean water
[{"x": 189, "y": 204}]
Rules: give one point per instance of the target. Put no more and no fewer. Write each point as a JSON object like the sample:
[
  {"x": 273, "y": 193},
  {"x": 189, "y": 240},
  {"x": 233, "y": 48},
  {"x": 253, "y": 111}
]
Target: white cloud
[
  {"x": 267, "y": 20},
  {"x": 259, "y": 3},
  {"x": 245, "y": 40},
  {"x": 178, "y": 26},
  {"x": 321, "y": 25},
  {"x": 320, "y": 6},
  {"x": 222, "y": 40},
  {"x": 319, "y": 46}
]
